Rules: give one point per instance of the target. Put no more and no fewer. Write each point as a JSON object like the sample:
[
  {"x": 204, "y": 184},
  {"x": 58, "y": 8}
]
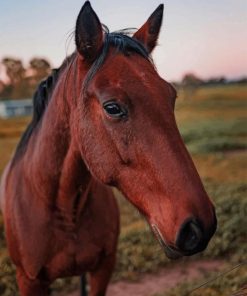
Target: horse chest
[
  {"x": 72, "y": 256},
  {"x": 78, "y": 243}
]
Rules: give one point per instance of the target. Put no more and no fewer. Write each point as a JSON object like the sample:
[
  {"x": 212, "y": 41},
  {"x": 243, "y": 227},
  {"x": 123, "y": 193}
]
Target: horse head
[{"x": 128, "y": 137}]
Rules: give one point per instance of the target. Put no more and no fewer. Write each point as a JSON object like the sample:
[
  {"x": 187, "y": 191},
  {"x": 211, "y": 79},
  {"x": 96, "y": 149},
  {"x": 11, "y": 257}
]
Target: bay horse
[{"x": 104, "y": 118}]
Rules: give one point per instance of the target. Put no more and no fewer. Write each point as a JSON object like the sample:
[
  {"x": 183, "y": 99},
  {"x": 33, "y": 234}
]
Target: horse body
[
  {"x": 44, "y": 232},
  {"x": 48, "y": 244},
  {"x": 55, "y": 209},
  {"x": 104, "y": 118}
]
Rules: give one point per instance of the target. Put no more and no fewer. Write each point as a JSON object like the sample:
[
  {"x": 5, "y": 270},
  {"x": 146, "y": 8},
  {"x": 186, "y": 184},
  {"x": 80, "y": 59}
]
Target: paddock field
[{"x": 213, "y": 123}]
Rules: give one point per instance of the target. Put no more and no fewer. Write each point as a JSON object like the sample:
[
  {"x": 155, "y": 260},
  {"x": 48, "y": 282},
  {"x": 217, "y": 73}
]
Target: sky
[{"x": 205, "y": 37}]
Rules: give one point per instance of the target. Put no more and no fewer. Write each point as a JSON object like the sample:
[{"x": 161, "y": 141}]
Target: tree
[
  {"x": 23, "y": 82},
  {"x": 190, "y": 84},
  {"x": 14, "y": 70},
  {"x": 5, "y": 90},
  {"x": 40, "y": 68},
  {"x": 191, "y": 79}
]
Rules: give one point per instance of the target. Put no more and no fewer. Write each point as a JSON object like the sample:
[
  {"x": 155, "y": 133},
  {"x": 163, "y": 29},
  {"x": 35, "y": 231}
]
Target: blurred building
[{"x": 13, "y": 108}]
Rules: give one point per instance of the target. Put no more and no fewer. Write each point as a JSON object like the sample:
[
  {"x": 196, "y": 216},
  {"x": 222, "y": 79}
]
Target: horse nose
[{"x": 189, "y": 237}]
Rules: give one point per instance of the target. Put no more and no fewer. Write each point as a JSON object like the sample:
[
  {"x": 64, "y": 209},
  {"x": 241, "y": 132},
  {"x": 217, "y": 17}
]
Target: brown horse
[{"x": 104, "y": 118}]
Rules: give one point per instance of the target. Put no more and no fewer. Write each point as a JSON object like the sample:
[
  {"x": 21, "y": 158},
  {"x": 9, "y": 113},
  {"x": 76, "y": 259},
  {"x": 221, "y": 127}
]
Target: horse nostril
[{"x": 189, "y": 237}]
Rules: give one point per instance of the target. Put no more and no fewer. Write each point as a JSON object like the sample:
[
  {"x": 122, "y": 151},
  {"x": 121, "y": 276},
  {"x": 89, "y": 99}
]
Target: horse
[{"x": 104, "y": 119}]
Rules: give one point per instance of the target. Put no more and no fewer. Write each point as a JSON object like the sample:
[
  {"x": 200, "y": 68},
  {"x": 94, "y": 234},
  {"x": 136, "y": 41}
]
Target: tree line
[
  {"x": 190, "y": 79},
  {"x": 22, "y": 81}
]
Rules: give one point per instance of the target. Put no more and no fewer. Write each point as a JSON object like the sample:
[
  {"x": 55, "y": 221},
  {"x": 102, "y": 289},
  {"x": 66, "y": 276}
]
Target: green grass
[
  {"x": 215, "y": 135},
  {"x": 231, "y": 209},
  {"x": 217, "y": 102},
  {"x": 208, "y": 129},
  {"x": 217, "y": 145}
]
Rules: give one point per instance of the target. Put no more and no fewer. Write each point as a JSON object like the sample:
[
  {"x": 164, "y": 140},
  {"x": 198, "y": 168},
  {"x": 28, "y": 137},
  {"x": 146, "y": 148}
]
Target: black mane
[
  {"x": 40, "y": 101},
  {"x": 120, "y": 40}
]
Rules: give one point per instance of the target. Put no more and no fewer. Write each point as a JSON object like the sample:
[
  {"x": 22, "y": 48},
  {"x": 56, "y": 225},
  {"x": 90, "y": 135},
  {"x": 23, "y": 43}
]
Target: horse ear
[
  {"x": 88, "y": 33},
  {"x": 148, "y": 34}
]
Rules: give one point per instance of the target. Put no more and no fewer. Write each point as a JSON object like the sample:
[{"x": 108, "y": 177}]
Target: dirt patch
[{"x": 165, "y": 279}]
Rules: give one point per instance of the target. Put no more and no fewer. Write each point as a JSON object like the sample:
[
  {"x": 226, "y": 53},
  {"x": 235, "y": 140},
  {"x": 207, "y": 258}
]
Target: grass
[
  {"x": 215, "y": 135},
  {"x": 209, "y": 129},
  {"x": 213, "y": 127},
  {"x": 222, "y": 102}
]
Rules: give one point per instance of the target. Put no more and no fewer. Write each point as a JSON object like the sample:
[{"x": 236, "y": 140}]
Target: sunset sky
[{"x": 206, "y": 37}]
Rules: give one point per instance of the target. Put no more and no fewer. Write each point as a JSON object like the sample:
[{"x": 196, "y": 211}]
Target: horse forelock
[{"x": 123, "y": 43}]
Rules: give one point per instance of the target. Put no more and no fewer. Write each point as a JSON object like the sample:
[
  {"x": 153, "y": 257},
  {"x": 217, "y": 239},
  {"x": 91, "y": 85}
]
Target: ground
[
  {"x": 213, "y": 124},
  {"x": 163, "y": 280}
]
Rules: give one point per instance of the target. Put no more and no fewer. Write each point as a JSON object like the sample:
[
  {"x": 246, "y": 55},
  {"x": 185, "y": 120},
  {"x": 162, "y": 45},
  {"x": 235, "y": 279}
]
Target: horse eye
[{"x": 115, "y": 110}]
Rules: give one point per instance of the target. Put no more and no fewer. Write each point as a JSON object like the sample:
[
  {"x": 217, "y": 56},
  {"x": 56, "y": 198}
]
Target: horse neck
[{"x": 54, "y": 160}]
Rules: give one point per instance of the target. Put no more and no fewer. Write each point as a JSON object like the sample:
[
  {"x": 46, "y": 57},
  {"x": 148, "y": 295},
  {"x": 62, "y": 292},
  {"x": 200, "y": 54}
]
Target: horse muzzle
[
  {"x": 170, "y": 252},
  {"x": 191, "y": 239}
]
